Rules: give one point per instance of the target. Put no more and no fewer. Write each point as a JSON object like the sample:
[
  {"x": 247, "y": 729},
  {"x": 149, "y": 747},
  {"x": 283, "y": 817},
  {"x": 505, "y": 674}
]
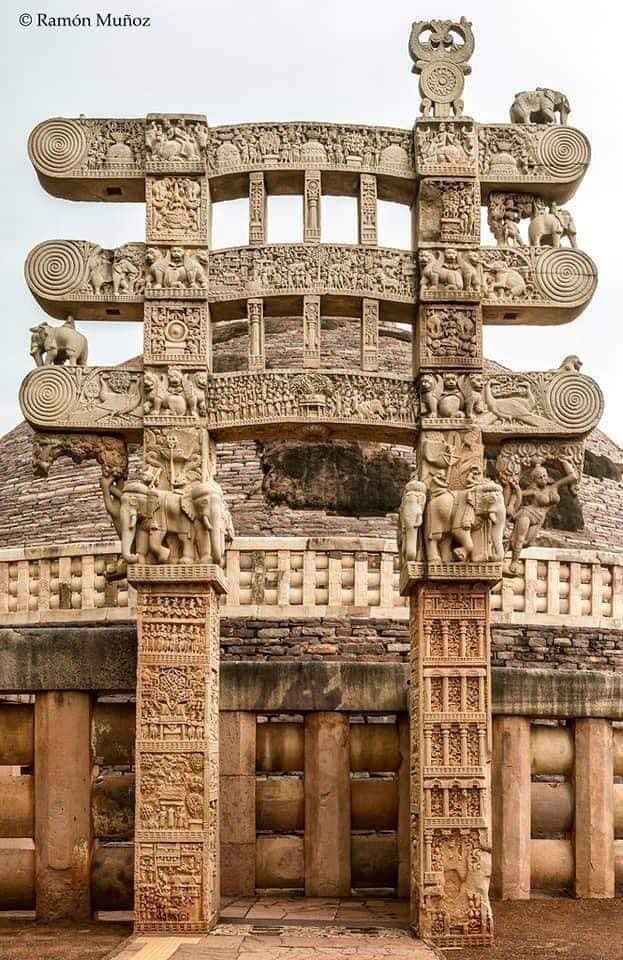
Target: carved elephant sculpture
[
  {"x": 539, "y": 106},
  {"x": 205, "y": 504},
  {"x": 410, "y": 520},
  {"x": 147, "y": 520},
  {"x": 58, "y": 345},
  {"x": 552, "y": 227},
  {"x": 466, "y": 525}
]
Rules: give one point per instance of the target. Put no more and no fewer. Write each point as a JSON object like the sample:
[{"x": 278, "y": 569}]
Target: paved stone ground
[{"x": 282, "y": 928}]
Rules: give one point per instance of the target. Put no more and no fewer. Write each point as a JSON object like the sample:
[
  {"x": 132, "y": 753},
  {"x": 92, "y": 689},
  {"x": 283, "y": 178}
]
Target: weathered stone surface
[
  {"x": 16, "y": 733},
  {"x": 327, "y": 805},
  {"x": 17, "y": 806},
  {"x": 511, "y": 798},
  {"x": 374, "y": 860},
  {"x": 280, "y": 862},
  {"x": 112, "y": 806},
  {"x": 280, "y": 804},
  {"x": 594, "y": 808},
  {"x": 112, "y": 876},
  {"x": 63, "y": 805},
  {"x": 17, "y": 879}
]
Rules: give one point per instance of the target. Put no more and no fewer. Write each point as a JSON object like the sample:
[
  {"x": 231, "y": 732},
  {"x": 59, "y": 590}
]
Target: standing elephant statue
[
  {"x": 214, "y": 530},
  {"x": 539, "y": 106},
  {"x": 551, "y": 226},
  {"x": 465, "y": 525},
  {"x": 146, "y": 519},
  {"x": 410, "y": 519},
  {"x": 58, "y": 345}
]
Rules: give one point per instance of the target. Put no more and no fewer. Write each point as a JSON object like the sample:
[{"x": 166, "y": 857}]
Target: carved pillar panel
[
  {"x": 311, "y": 207},
  {"x": 255, "y": 316},
  {"x": 177, "y": 776},
  {"x": 311, "y": 331},
  {"x": 176, "y": 579},
  {"x": 369, "y": 334},
  {"x": 367, "y": 210},
  {"x": 450, "y": 763},
  {"x": 257, "y": 208}
]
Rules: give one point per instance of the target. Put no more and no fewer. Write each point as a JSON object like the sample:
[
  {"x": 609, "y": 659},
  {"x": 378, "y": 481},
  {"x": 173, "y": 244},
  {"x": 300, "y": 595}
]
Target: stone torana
[{"x": 494, "y": 449}]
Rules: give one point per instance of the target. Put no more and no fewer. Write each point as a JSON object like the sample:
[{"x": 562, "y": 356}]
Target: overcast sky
[{"x": 332, "y": 60}]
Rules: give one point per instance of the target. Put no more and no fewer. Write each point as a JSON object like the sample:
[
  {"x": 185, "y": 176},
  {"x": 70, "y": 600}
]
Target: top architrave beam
[{"x": 105, "y": 159}]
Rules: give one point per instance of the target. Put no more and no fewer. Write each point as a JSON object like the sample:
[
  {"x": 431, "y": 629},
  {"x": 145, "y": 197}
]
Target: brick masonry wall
[{"x": 387, "y": 640}]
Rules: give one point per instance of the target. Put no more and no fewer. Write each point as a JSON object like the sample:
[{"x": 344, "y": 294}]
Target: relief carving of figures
[
  {"x": 174, "y": 140},
  {"x": 174, "y": 268},
  {"x": 118, "y": 272},
  {"x": 170, "y": 885},
  {"x": 311, "y": 268},
  {"x": 540, "y": 106},
  {"x": 176, "y": 208},
  {"x": 172, "y": 701},
  {"x": 506, "y": 151},
  {"x": 90, "y": 397},
  {"x": 456, "y": 902},
  {"x": 171, "y": 791},
  {"x": 174, "y": 393},
  {"x": 410, "y": 518},
  {"x": 449, "y": 334},
  {"x": 452, "y": 270},
  {"x": 113, "y": 144},
  {"x": 465, "y": 514},
  {"x": 444, "y": 144},
  {"x": 309, "y": 145},
  {"x": 110, "y": 452},
  {"x": 58, "y": 345},
  {"x": 243, "y": 398},
  {"x": 449, "y": 211},
  {"x": 530, "y": 492}
]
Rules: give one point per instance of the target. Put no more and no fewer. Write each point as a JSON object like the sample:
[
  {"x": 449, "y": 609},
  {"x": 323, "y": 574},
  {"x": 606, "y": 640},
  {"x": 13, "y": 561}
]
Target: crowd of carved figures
[
  {"x": 345, "y": 396},
  {"x": 304, "y": 144},
  {"x": 549, "y": 223}
]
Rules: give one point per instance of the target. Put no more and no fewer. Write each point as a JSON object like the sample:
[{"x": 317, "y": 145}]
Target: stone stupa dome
[{"x": 284, "y": 487}]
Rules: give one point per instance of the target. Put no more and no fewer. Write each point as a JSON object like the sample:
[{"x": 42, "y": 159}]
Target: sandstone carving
[
  {"x": 455, "y": 521},
  {"x": 174, "y": 393},
  {"x": 110, "y": 452},
  {"x": 539, "y": 106},
  {"x": 58, "y": 345},
  {"x": 441, "y": 63},
  {"x": 410, "y": 518}
]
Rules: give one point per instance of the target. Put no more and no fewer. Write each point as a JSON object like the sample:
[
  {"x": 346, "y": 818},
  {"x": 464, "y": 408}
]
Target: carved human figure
[
  {"x": 410, "y": 518},
  {"x": 58, "y": 345},
  {"x": 532, "y": 506}
]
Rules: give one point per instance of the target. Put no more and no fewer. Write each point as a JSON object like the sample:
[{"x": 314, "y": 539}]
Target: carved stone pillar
[
  {"x": 311, "y": 207},
  {"x": 369, "y": 334},
  {"x": 255, "y": 316},
  {"x": 367, "y": 210},
  {"x": 257, "y": 208},
  {"x": 176, "y": 843},
  {"x": 177, "y": 776},
  {"x": 311, "y": 331},
  {"x": 450, "y": 762}
]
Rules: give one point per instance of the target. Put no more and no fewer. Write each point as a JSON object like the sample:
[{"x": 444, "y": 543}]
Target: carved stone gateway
[{"x": 494, "y": 449}]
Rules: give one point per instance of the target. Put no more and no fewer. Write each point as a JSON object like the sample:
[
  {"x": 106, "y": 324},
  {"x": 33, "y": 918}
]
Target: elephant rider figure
[{"x": 534, "y": 503}]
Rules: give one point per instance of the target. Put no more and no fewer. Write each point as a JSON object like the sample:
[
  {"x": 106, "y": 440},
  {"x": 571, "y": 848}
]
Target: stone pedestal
[
  {"x": 177, "y": 728},
  {"x": 450, "y": 761}
]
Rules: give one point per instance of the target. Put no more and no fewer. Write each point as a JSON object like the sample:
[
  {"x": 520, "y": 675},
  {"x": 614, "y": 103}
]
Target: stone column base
[{"x": 176, "y": 841}]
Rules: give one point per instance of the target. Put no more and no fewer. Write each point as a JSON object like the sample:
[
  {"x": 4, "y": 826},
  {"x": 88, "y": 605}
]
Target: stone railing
[{"x": 301, "y": 577}]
